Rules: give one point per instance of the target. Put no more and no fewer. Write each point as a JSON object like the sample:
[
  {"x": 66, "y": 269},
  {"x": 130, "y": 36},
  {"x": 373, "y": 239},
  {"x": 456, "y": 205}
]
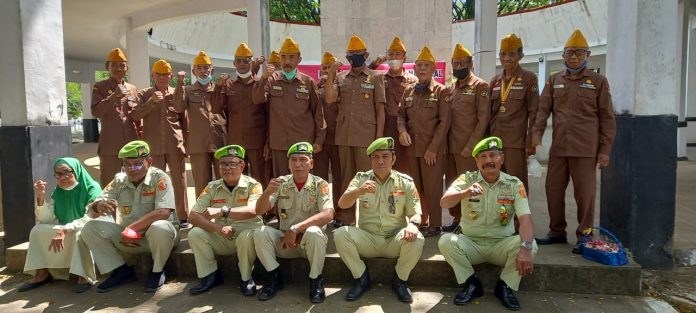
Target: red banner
[{"x": 440, "y": 70}]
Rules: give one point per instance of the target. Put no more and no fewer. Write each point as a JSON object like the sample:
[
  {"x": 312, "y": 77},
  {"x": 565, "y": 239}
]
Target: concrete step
[{"x": 555, "y": 269}]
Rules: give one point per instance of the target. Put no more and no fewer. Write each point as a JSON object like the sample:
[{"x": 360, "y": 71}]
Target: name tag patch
[
  {"x": 367, "y": 85},
  {"x": 277, "y": 88},
  {"x": 302, "y": 89},
  {"x": 557, "y": 86},
  {"x": 506, "y": 200},
  {"x": 218, "y": 201},
  {"x": 588, "y": 86}
]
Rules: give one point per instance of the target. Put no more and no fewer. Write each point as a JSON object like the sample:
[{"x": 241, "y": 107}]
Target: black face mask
[
  {"x": 356, "y": 60},
  {"x": 420, "y": 87},
  {"x": 461, "y": 73}
]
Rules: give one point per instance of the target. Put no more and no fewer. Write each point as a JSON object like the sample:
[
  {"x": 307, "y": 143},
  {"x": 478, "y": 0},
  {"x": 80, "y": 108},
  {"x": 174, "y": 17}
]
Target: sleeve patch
[
  {"x": 162, "y": 184},
  {"x": 522, "y": 192}
]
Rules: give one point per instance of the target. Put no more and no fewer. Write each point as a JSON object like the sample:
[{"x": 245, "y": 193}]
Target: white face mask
[
  {"x": 69, "y": 188},
  {"x": 325, "y": 76},
  {"x": 244, "y": 75},
  {"x": 395, "y": 64}
]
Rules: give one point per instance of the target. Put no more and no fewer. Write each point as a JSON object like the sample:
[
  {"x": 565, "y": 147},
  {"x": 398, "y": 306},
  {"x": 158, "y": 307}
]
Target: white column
[
  {"x": 691, "y": 83},
  {"x": 32, "y": 83},
  {"x": 86, "y": 90},
  {"x": 258, "y": 27},
  {"x": 138, "y": 55},
  {"x": 642, "y": 56},
  {"x": 485, "y": 33},
  {"x": 543, "y": 72}
]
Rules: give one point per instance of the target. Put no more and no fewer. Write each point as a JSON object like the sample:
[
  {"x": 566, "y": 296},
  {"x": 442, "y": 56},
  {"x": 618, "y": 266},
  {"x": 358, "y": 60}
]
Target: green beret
[
  {"x": 384, "y": 143},
  {"x": 231, "y": 150},
  {"x": 490, "y": 143},
  {"x": 134, "y": 149},
  {"x": 301, "y": 148}
]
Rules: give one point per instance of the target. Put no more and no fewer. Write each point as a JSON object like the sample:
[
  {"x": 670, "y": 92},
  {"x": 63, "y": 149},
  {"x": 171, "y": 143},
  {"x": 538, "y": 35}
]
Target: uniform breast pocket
[
  {"x": 408, "y": 104},
  {"x": 196, "y": 99},
  {"x": 276, "y": 92},
  {"x": 302, "y": 95},
  {"x": 588, "y": 97},
  {"x": 473, "y": 211},
  {"x": 559, "y": 93},
  {"x": 517, "y": 93},
  {"x": 399, "y": 205},
  {"x": 369, "y": 119}
]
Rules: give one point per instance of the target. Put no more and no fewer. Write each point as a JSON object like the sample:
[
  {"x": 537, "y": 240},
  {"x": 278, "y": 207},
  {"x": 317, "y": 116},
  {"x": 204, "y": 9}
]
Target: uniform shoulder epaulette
[{"x": 405, "y": 176}]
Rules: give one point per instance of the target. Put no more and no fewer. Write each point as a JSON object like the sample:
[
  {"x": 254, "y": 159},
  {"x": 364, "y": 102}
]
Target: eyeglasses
[
  {"x": 510, "y": 54},
  {"x": 134, "y": 166},
  {"x": 243, "y": 61},
  {"x": 230, "y": 164},
  {"x": 576, "y": 52},
  {"x": 63, "y": 174}
]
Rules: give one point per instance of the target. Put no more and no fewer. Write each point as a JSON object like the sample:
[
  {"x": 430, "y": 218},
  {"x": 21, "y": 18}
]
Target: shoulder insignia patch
[
  {"x": 522, "y": 192},
  {"x": 256, "y": 189},
  {"x": 324, "y": 188},
  {"x": 162, "y": 184},
  {"x": 484, "y": 93}
]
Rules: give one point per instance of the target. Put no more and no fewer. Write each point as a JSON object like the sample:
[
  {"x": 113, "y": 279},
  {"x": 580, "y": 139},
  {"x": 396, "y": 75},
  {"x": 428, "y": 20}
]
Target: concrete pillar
[
  {"x": 485, "y": 32},
  {"x": 33, "y": 106},
  {"x": 683, "y": 13},
  {"x": 691, "y": 85},
  {"x": 258, "y": 27},
  {"x": 543, "y": 72},
  {"x": 90, "y": 125},
  {"x": 138, "y": 57},
  {"x": 642, "y": 71}
]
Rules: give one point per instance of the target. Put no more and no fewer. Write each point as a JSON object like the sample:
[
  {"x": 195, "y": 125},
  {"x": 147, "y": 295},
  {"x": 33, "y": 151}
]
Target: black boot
[
  {"x": 472, "y": 289},
  {"x": 360, "y": 285},
  {"x": 208, "y": 282},
  {"x": 316, "y": 289},
  {"x": 269, "y": 290},
  {"x": 154, "y": 281},
  {"x": 248, "y": 287},
  {"x": 551, "y": 239},
  {"x": 121, "y": 275},
  {"x": 403, "y": 293},
  {"x": 506, "y": 296}
]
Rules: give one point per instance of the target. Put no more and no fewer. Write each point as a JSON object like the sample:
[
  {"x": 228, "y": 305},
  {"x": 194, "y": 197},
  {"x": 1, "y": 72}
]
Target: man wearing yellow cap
[
  {"x": 424, "y": 119},
  {"x": 274, "y": 59},
  {"x": 470, "y": 109},
  {"x": 359, "y": 94},
  {"x": 328, "y": 157},
  {"x": 583, "y": 132},
  {"x": 112, "y": 102},
  {"x": 395, "y": 82},
  {"x": 294, "y": 108},
  {"x": 387, "y": 200},
  {"x": 142, "y": 200},
  {"x": 305, "y": 207},
  {"x": 205, "y": 127},
  {"x": 514, "y": 98},
  {"x": 489, "y": 200},
  {"x": 246, "y": 121},
  {"x": 164, "y": 129},
  {"x": 224, "y": 219}
]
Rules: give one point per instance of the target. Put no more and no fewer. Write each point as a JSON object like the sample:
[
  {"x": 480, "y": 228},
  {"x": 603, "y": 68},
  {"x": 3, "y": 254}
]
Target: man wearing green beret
[
  {"x": 224, "y": 220},
  {"x": 305, "y": 207},
  {"x": 489, "y": 200},
  {"x": 142, "y": 202},
  {"x": 386, "y": 200}
]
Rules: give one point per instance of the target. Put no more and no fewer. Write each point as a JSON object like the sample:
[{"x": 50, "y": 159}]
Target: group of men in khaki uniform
[{"x": 285, "y": 117}]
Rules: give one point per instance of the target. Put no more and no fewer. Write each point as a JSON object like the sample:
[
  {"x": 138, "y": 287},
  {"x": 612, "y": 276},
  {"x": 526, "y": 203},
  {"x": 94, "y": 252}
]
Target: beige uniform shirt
[
  {"x": 155, "y": 192},
  {"x": 483, "y": 218},
  {"x": 384, "y": 212},
  {"x": 217, "y": 195},
  {"x": 295, "y": 206}
]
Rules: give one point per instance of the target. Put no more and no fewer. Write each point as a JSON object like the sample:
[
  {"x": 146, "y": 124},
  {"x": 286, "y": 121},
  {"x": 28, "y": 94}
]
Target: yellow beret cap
[
  {"x": 161, "y": 67},
  {"x": 243, "y": 51},
  {"x": 425, "y": 55},
  {"x": 301, "y": 148},
  {"x": 116, "y": 55},
  {"x": 356, "y": 43},
  {"x": 231, "y": 150},
  {"x": 577, "y": 40},
  {"x": 134, "y": 149},
  {"x": 397, "y": 45},
  {"x": 460, "y": 52},
  {"x": 490, "y": 143},
  {"x": 510, "y": 43},
  {"x": 328, "y": 58},
  {"x": 290, "y": 46},
  {"x": 202, "y": 59},
  {"x": 275, "y": 57},
  {"x": 384, "y": 143}
]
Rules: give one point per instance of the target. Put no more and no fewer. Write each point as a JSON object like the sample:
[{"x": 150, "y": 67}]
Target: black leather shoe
[
  {"x": 208, "y": 282},
  {"x": 360, "y": 285},
  {"x": 506, "y": 296},
  {"x": 403, "y": 293},
  {"x": 29, "y": 285},
  {"x": 316, "y": 289},
  {"x": 154, "y": 281},
  {"x": 577, "y": 249},
  {"x": 336, "y": 223},
  {"x": 80, "y": 288},
  {"x": 549, "y": 240},
  {"x": 121, "y": 275},
  {"x": 248, "y": 287},
  {"x": 183, "y": 224},
  {"x": 269, "y": 291},
  {"x": 450, "y": 227},
  {"x": 432, "y": 232},
  {"x": 472, "y": 289}
]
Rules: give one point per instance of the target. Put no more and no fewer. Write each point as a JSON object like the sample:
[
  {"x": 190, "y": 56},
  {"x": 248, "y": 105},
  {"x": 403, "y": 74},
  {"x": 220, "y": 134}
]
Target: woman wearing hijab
[{"x": 55, "y": 250}]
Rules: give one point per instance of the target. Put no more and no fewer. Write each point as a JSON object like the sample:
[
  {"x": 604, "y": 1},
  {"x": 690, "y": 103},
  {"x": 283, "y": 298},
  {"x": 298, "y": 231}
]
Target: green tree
[
  {"x": 464, "y": 9},
  {"x": 74, "y": 96},
  {"x": 295, "y": 10}
]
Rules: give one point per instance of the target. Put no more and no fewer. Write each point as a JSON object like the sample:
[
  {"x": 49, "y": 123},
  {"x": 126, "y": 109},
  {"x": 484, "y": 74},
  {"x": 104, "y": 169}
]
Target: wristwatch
[
  {"x": 527, "y": 245},
  {"x": 415, "y": 223},
  {"x": 293, "y": 228}
]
